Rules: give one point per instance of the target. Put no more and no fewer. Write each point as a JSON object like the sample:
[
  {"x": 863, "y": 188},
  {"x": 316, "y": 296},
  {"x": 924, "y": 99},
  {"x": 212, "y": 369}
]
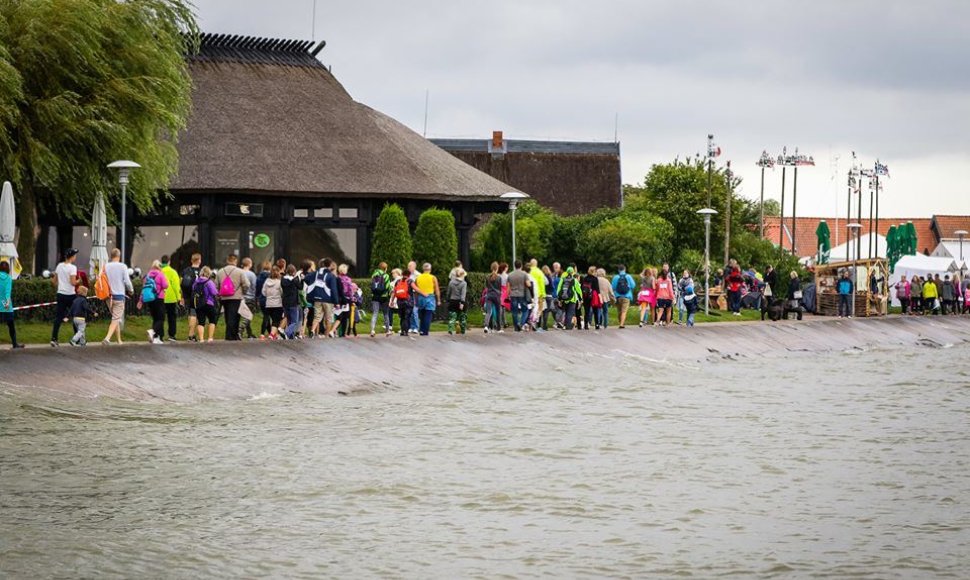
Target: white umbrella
[
  {"x": 8, "y": 228},
  {"x": 99, "y": 238}
]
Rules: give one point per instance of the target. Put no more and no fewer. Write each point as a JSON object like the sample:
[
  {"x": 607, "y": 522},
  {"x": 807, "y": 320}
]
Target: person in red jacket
[{"x": 733, "y": 282}]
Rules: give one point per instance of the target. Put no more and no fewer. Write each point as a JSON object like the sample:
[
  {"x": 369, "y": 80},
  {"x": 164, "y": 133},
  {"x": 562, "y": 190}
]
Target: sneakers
[
  {"x": 486, "y": 330},
  {"x": 16, "y": 346},
  {"x": 151, "y": 335},
  {"x": 157, "y": 341},
  {"x": 106, "y": 342},
  {"x": 54, "y": 344},
  {"x": 172, "y": 339}
]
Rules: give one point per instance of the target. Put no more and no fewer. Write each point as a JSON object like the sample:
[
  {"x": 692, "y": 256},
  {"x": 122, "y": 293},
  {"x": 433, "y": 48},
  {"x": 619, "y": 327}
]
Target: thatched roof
[
  {"x": 569, "y": 176},
  {"x": 269, "y": 118}
]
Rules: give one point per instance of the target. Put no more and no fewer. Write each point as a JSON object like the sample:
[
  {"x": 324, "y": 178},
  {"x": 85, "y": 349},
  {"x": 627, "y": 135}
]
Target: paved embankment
[{"x": 187, "y": 372}]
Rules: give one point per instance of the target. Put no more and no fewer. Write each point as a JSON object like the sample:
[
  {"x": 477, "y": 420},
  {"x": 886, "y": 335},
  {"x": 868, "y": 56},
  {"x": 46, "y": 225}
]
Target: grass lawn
[{"x": 34, "y": 332}]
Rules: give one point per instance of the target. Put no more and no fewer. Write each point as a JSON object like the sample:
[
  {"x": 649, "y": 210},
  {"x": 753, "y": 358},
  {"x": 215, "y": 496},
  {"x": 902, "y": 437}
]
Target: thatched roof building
[{"x": 569, "y": 176}]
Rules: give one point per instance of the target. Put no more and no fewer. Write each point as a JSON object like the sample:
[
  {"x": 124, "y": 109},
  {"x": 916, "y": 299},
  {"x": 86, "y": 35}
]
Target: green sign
[{"x": 261, "y": 240}]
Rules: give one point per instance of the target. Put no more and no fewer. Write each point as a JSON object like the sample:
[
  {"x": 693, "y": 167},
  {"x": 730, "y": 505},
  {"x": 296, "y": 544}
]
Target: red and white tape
[{"x": 32, "y": 306}]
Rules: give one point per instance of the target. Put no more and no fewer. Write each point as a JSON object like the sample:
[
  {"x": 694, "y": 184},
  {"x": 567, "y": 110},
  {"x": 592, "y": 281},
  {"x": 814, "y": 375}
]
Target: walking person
[
  {"x": 457, "y": 297},
  {"x": 948, "y": 296},
  {"x": 273, "y": 293},
  {"x": 231, "y": 283},
  {"x": 66, "y": 280},
  {"x": 606, "y": 299},
  {"x": 6, "y": 303},
  {"x": 690, "y": 303},
  {"x": 665, "y": 298},
  {"x": 590, "y": 285},
  {"x": 345, "y": 306},
  {"x": 412, "y": 275},
  {"x": 623, "y": 286},
  {"x": 380, "y": 297},
  {"x": 931, "y": 296},
  {"x": 519, "y": 282},
  {"x": 795, "y": 295},
  {"x": 647, "y": 297},
  {"x": 290, "y": 286},
  {"x": 249, "y": 299},
  {"x": 549, "y": 292},
  {"x": 903, "y": 289},
  {"x": 539, "y": 285},
  {"x": 189, "y": 274},
  {"x": 204, "y": 294},
  {"x": 682, "y": 285},
  {"x": 153, "y": 297},
  {"x": 916, "y": 296},
  {"x": 429, "y": 294},
  {"x": 401, "y": 298},
  {"x": 119, "y": 281},
  {"x": 733, "y": 281},
  {"x": 80, "y": 311},
  {"x": 570, "y": 295},
  {"x": 173, "y": 297},
  {"x": 493, "y": 300},
  {"x": 844, "y": 289},
  {"x": 261, "y": 279}
]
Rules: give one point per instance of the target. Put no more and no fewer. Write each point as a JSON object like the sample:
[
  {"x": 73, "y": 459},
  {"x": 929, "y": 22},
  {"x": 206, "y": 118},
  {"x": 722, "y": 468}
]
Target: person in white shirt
[
  {"x": 65, "y": 279},
  {"x": 120, "y": 283}
]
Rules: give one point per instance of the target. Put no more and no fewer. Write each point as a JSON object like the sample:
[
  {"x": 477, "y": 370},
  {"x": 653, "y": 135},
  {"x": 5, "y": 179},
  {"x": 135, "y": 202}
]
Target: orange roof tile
[{"x": 805, "y": 239}]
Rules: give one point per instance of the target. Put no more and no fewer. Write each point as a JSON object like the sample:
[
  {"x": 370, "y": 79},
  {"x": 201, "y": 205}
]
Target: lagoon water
[{"x": 841, "y": 464}]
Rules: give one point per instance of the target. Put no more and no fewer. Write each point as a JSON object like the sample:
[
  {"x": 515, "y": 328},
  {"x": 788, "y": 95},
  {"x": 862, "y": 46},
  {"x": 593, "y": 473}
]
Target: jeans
[
  {"x": 845, "y": 305},
  {"x": 734, "y": 300},
  {"x": 171, "y": 313},
  {"x": 231, "y": 308},
  {"x": 80, "y": 338},
  {"x": 264, "y": 325},
  {"x": 549, "y": 310},
  {"x": 690, "y": 319},
  {"x": 569, "y": 313},
  {"x": 425, "y": 317},
  {"x": 603, "y": 318},
  {"x": 293, "y": 317},
  {"x": 405, "y": 311},
  {"x": 588, "y": 313},
  {"x": 384, "y": 310},
  {"x": 64, "y": 302},
  {"x": 520, "y": 312},
  {"x": 681, "y": 309},
  {"x": 493, "y": 317},
  {"x": 415, "y": 323}
]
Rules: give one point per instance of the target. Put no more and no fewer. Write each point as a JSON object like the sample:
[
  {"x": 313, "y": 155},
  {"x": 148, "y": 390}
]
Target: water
[{"x": 845, "y": 465}]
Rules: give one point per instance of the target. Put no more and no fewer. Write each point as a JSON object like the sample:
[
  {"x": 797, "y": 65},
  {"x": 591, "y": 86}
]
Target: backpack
[
  {"x": 566, "y": 290},
  {"x": 623, "y": 285},
  {"x": 228, "y": 287},
  {"x": 149, "y": 291},
  {"x": 595, "y": 300},
  {"x": 378, "y": 288},
  {"x": 198, "y": 295},
  {"x": 587, "y": 292},
  {"x": 402, "y": 290},
  {"x": 188, "y": 277},
  {"x": 347, "y": 289},
  {"x": 102, "y": 289}
]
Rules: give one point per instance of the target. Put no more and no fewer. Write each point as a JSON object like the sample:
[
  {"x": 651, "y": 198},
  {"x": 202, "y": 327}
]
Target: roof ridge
[{"x": 257, "y": 49}]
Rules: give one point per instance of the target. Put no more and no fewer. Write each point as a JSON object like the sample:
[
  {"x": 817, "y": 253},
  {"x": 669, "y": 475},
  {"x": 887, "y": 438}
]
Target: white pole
[
  {"x": 707, "y": 264},
  {"x": 512, "y": 207},
  {"x": 124, "y": 200}
]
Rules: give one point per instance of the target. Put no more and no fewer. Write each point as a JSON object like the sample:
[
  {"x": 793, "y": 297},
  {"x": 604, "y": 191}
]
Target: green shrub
[
  {"x": 392, "y": 238},
  {"x": 436, "y": 240},
  {"x": 633, "y": 240}
]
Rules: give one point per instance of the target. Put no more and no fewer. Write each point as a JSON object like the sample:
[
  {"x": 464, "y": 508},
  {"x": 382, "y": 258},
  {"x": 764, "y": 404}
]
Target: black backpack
[
  {"x": 198, "y": 296},
  {"x": 566, "y": 290},
  {"x": 188, "y": 278},
  {"x": 623, "y": 284},
  {"x": 378, "y": 288}
]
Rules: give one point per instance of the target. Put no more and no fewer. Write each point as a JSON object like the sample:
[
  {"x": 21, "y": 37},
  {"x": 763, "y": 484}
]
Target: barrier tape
[{"x": 31, "y": 306}]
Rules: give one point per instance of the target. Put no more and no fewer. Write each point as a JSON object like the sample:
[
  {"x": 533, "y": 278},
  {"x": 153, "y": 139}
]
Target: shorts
[
  {"x": 662, "y": 303},
  {"x": 323, "y": 311},
  {"x": 191, "y": 312},
  {"x": 117, "y": 310},
  {"x": 206, "y": 313}
]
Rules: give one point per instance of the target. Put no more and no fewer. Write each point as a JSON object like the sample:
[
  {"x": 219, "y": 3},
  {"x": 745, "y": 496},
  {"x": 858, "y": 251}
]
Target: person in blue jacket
[
  {"x": 623, "y": 285},
  {"x": 844, "y": 287},
  {"x": 6, "y": 302},
  {"x": 324, "y": 292}
]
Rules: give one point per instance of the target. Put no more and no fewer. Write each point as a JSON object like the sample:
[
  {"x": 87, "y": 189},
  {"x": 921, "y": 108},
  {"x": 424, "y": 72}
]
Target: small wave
[{"x": 263, "y": 395}]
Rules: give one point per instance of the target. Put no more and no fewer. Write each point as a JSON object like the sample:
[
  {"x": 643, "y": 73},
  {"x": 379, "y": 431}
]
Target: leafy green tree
[
  {"x": 391, "y": 242},
  {"x": 772, "y": 207},
  {"x": 85, "y": 82},
  {"x": 534, "y": 232},
  {"x": 634, "y": 240},
  {"x": 436, "y": 240}
]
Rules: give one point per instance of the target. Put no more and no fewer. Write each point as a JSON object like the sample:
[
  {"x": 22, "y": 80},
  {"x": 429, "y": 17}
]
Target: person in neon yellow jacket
[
  {"x": 569, "y": 294},
  {"x": 538, "y": 289},
  {"x": 173, "y": 297}
]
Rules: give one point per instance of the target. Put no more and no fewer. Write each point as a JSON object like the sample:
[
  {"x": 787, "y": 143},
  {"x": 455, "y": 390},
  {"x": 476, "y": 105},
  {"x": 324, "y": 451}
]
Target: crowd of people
[{"x": 319, "y": 299}]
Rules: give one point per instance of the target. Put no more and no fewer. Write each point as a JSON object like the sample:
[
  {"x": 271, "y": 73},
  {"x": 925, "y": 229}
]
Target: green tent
[
  {"x": 824, "y": 242},
  {"x": 892, "y": 247}
]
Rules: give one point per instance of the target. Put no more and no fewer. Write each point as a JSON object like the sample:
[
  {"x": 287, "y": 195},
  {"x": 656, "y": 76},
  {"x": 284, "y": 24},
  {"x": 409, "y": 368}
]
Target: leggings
[
  {"x": 157, "y": 309},
  {"x": 13, "y": 331},
  {"x": 493, "y": 313}
]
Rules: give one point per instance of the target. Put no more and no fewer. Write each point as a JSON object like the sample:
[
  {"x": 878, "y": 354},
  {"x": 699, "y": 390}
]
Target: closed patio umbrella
[
  {"x": 824, "y": 242},
  {"x": 99, "y": 238},
  {"x": 8, "y": 227},
  {"x": 892, "y": 247}
]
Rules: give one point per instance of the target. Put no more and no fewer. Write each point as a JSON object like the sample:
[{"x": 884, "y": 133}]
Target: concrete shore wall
[{"x": 186, "y": 372}]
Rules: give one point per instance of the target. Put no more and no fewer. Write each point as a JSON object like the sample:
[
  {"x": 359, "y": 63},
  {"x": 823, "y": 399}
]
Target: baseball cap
[{"x": 71, "y": 252}]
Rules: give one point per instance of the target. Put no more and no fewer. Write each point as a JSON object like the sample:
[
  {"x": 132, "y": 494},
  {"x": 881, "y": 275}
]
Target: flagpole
[
  {"x": 762, "y": 222},
  {"x": 781, "y": 217},
  {"x": 794, "y": 204},
  {"x": 727, "y": 218}
]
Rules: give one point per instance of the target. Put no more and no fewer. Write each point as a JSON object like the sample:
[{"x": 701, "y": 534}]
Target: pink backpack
[{"x": 227, "y": 288}]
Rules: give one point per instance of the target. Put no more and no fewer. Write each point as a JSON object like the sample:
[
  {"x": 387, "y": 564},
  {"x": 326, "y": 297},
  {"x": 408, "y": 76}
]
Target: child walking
[{"x": 80, "y": 310}]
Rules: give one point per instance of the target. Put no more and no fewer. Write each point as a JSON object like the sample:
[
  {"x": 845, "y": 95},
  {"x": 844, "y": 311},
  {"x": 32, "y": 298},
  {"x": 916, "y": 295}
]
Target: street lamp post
[
  {"x": 513, "y": 197},
  {"x": 124, "y": 167},
  {"x": 765, "y": 161},
  {"x": 854, "y": 231},
  {"x": 707, "y": 213},
  {"x": 960, "y": 234}
]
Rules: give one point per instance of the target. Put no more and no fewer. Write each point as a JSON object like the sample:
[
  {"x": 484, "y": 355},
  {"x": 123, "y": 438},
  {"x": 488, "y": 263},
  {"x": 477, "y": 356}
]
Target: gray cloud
[{"x": 883, "y": 78}]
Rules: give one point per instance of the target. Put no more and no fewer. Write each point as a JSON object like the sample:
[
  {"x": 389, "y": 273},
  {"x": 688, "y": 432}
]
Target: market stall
[{"x": 870, "y": 282}]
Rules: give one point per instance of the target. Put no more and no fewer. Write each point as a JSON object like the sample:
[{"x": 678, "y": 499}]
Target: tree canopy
[
  {"x": 392, "y": 238},
  {"x": 83, "y": 83},
  {"x": 436, "y": 240}
]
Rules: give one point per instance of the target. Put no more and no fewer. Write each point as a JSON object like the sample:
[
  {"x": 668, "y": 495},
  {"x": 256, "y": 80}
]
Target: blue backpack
[{"x": 149, "y": 292}]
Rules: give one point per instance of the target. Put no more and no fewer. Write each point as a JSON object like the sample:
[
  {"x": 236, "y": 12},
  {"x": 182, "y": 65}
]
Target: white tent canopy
[
  {"x": 843, "y": 253},
  {"x": 919, "y": 265}
]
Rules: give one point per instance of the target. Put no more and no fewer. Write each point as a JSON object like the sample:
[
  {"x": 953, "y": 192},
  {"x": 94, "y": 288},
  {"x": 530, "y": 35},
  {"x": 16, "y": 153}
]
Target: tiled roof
[
  {"x": 945, "y": 226},
  {"x": 805, "y": 239}
]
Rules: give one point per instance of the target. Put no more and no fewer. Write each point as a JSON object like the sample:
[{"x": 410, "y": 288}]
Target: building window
[
  {"x": 190, "y": 209},
  {"x": 152, "y": 242},
  {"x": 81, "y": 240},
  {"x": 348, "y": 212},
  {"x": 314, "y": 243},
  {"x": 301, "y": 212},
  {"x": 323, "y": 212}
]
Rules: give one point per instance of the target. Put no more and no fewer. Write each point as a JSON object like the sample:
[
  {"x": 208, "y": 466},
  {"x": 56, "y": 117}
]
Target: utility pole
[
  {"x": 783, "y": 161},
  {"x": 765, "y": 161},
  {"x": 710, "y": 165}
]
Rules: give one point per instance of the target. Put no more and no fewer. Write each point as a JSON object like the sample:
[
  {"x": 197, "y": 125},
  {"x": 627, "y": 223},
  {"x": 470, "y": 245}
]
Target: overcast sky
[{"x": 884, "y": 78}]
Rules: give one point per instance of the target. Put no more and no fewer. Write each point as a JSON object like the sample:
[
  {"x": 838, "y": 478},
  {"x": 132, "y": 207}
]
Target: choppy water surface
[{"x": 854, "y": 464}]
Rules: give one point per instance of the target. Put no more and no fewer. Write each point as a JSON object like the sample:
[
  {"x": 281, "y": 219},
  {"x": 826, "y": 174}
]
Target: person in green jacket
[
  {"x": 539, "y": 290},
  {"x": 380, "y": 298},
  {"x": 569, "y": 294},
  {"x": 173, "y": 297},
  {"x": 6, "y": 302}
]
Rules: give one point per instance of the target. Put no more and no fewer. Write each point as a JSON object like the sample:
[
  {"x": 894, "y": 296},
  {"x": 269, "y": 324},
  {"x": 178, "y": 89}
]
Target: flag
[{"x": 881, "y": 170}]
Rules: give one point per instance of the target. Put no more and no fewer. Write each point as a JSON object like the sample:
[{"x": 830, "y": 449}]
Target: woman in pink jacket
[
  {"x": 153, "y": 297},
  {"x": 903, "y": 293},
  {"x": 665, "y": 298}
]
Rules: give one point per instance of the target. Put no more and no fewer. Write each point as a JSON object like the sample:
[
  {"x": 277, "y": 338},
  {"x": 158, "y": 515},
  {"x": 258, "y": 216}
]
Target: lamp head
[{"x": 124, "y": 167}]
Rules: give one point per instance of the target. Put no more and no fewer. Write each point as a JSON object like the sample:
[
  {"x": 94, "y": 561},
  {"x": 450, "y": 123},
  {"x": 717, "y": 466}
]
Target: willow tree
[{"x": 85, "y": 82}]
